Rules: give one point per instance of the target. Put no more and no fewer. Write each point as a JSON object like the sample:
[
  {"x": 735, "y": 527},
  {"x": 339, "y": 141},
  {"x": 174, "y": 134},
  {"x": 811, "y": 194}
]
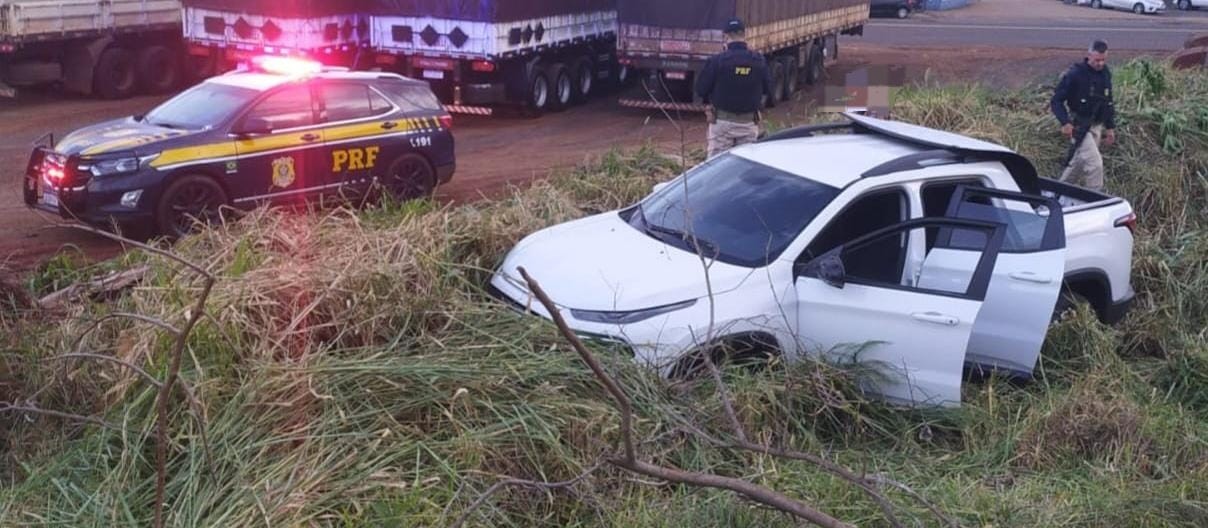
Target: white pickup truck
[{"x": 913, "y": 250}]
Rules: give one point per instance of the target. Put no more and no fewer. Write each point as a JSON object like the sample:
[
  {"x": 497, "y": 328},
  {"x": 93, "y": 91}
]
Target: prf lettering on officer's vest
[
  {"x": 354, "y": 159},
  {"x": 742, "y": 70}
]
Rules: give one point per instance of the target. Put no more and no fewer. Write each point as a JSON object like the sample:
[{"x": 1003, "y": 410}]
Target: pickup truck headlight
[
  {"x": 622, "y": 318},
  {"x": 118, "y": 166}
]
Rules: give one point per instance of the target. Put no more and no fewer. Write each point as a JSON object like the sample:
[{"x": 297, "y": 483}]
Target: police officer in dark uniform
[
  {"x": 1083, "y": 104},
  {"x": 734, "y": 82}
]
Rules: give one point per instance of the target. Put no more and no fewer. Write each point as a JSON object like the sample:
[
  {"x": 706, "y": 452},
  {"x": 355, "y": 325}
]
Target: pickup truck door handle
[
  {"x": 1028, "y": 276},
  {"x": 310, "y": 138},
  {"x": 936, "y": 318},
  {"x": 389, "y": 125}
]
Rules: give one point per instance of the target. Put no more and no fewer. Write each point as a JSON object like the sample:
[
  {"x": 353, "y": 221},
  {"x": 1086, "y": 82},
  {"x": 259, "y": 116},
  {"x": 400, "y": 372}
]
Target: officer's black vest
[{"x": 739, "y": 85}]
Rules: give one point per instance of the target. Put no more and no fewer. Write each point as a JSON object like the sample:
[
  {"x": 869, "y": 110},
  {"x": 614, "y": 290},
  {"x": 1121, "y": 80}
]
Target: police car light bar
[{"x": 286, "y": 65}]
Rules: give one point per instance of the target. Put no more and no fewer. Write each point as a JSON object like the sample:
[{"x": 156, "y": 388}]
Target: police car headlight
[{"x": 119, "y": 166}]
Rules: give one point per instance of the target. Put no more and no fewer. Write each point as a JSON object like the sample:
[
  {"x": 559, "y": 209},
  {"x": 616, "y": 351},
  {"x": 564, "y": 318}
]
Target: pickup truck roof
[{"x": 878, "y": 147}]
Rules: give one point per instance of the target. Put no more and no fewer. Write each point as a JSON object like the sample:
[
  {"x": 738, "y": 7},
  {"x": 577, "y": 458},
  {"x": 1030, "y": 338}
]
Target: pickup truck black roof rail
[{"x": 943, "y": 148}]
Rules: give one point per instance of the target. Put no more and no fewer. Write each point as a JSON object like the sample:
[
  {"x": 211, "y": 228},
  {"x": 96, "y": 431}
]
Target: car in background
[
  {"x": 1140, "y": 7},
  {"x": 1187, "y": 5},
  {"x": 894, "y": 8}
]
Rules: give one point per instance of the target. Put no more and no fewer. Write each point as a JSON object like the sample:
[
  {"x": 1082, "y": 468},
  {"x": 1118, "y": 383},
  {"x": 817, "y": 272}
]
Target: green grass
[{"x": 355, "y": 374}]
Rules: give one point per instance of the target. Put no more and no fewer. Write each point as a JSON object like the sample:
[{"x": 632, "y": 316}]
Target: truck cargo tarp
[
  {"x": 473, "y": 10},
  {"x": 283, "y": 8},
  {"x": 713, "y": 14},
  {"x": 489, "y": 10}
]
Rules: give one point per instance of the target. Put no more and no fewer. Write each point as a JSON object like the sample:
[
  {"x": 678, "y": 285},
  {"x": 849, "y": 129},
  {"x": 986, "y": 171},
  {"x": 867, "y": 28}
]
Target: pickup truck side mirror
[
  {"x": 828, "y": 268},
  {"x": 255, "y": 126}
]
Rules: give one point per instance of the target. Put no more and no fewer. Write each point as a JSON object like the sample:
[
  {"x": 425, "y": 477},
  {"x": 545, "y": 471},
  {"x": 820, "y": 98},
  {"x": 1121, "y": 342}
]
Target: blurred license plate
[
  {"x": 434, "y": 74},
  {"x": 47, "y": 197}
]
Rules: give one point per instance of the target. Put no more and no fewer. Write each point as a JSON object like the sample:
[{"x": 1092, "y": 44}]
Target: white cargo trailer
[{"x": 110, "y": 48}]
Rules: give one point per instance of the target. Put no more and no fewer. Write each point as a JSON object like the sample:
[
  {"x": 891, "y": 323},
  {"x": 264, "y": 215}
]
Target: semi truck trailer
[
  {"x": 480, "y": 55},
  {"x": 107, "y": 48},
  {"x": 669, "y": 41}
]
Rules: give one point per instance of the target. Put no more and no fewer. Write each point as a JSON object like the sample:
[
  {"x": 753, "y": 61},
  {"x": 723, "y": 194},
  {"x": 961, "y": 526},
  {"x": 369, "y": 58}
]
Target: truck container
[
  {"x": 221, "y": 33},
  {"x": 109, "y": 48},
  {"x": 669, "y": 41},
  {"x": 480, "y": 55}
]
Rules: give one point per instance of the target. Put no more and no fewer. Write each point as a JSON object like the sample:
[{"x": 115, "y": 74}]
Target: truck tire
[
  {"x": 539, "y": 93},
  {"x": 791, "y": 76},
  {"x": 562, "y": 87},
  {"x": 777, "y": 81},
  {"x": 815, "y": 67},
  {"x": 584, "y": 72},
  {"x": 158, "y": 69},
  {"x": 114, "y": 76},
  {"x": 188, "y": 198},
  {"x": 621, "y": 76}
]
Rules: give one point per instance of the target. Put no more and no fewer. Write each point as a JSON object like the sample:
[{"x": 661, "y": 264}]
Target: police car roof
[{"x": 262, "y": 81}]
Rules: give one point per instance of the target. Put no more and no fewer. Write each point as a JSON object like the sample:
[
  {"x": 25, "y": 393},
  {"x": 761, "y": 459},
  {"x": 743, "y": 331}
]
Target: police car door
[
  {"x": 1027, "y": 278},
  {"x": 360, "y": 124},
  {"x": 279, "y": 143}
]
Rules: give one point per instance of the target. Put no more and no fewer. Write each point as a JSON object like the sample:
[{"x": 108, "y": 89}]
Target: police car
[{"x": 275, "y": 130}]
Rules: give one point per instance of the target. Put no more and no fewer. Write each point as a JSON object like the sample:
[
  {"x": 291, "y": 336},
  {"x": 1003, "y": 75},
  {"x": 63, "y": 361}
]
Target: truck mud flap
[
  {"x": 470, "y": 110},
  {"x": 647, "y": 104}
]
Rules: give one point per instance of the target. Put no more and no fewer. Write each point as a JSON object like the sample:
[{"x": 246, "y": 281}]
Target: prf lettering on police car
[{"x": 354, "y": 159}]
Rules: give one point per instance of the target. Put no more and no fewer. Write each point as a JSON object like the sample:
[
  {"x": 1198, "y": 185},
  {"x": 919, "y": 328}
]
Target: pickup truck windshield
[
  {"x": 202, "y": 106},
  {"x": 741, "y": 212}
]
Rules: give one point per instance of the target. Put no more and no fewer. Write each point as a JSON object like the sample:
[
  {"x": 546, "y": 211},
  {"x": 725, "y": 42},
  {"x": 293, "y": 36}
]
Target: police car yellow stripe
[{"x": 227, "y": 149}]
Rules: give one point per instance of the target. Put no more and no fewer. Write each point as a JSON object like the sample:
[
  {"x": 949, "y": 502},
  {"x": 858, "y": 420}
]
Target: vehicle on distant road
[
  {"x": 1185, "y": 5},
  {"x": 894, "y": 8},
  {"x": 277, "y": 131},
  {"x": 1140, "y": 7},
  {"x": 934, "y": 250}
]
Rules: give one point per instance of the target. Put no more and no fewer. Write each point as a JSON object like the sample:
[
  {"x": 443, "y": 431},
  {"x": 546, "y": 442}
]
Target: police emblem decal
[{"x": 283, "y": 172}]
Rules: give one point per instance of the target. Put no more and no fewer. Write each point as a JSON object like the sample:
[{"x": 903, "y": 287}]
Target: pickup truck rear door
[
  {"x": 855, "y": 306},
  {"x": 1014, "y": 320}
]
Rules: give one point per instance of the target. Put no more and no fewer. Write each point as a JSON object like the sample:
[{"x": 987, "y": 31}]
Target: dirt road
[{"x": 492, "y": 153}]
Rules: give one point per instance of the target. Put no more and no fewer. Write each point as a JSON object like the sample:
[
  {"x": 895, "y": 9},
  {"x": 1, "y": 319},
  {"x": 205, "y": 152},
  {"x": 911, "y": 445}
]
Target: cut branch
[
  {"x": 9, "y": 407},
  {"x": 520, "y": 482},
  {"x": 100, "y": 357}
]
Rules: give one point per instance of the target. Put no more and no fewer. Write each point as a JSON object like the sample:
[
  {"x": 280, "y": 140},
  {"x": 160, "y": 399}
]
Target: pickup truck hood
[
  {"x": 602, "y": 263},
  {"x": 116, "y": 136}
]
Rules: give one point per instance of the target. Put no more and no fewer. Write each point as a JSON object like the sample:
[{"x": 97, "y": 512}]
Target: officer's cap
[{"x": 735, "y": 26}]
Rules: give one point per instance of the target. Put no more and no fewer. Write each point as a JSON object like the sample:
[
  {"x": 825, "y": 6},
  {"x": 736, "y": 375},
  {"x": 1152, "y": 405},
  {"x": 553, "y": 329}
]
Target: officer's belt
[{"x": 735, "y": 118}]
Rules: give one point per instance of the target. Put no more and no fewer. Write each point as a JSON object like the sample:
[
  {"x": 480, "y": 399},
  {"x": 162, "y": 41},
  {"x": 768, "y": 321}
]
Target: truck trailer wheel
[
  {"x": 114, "y": 76},
  {"x": 778, "y": 80},
  {"x": 539, "y": 93},
  {"x": 815, "y": 68},
  {"x": 158, "y": 69},
  {"x": 791, "y": 76},
  {"x": 584, "y": 72},
  {"x": 562, "y": 85}
]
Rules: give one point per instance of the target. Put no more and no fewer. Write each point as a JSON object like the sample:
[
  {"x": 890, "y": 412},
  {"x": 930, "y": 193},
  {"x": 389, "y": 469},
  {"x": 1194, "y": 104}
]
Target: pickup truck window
[
  {"x": 937, "y": 196},
  {"x": 744, "y": 213},
  {"x": 867, "y": 214}
]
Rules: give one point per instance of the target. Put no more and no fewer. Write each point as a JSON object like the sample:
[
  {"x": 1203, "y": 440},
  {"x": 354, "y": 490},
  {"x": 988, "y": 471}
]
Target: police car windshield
[
  {"x": 202, "y": 106},
  {"x": 742, "y": 212}
]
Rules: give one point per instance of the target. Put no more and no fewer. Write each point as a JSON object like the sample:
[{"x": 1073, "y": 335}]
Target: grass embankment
[{"x": 353, "y": 373}]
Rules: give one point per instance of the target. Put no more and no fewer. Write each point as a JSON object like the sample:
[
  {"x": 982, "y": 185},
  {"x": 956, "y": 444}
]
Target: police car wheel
[
  {"x": 410, "y": 177},
  {"x": 188, "y": 201}
]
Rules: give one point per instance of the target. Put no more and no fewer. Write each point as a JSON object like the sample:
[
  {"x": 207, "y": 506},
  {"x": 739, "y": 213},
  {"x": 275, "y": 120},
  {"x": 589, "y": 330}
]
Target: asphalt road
[{"x": 1165, "y": 32}]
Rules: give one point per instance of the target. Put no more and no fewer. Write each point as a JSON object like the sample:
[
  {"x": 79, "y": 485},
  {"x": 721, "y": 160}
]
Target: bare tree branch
[
  {"x": 122, "y": 315},
  {"x": 10, "y": 407},
  {"x": 521, "y": 482},
  {"x": 101, "y": 357},
  {"x": 883, "y": 480},
  {"x": 630, "y": 462}
]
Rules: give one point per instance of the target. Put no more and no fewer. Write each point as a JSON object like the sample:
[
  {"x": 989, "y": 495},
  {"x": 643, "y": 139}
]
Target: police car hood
[
  {"x": 602, "y": 263},
  {"x": 119, "y": 135}
]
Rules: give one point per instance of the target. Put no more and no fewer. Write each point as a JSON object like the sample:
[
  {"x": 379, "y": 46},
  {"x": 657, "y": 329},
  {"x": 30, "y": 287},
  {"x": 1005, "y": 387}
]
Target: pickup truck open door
[
  {"x": 859, "y": 304},
  {"x": 1011, "y": 328}
]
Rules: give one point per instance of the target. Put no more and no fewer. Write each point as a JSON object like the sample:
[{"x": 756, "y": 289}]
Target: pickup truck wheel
[
  {"x": 749, "y": 351},
  {"x": 903, "y": 12},
  {"x": 114, "y": 76},
  {"x": 188, "y": 201},
  {"x": 158, "y": 69},
  {"x": 1138, "y": 9},
  {"x": 410, "y": 177}
]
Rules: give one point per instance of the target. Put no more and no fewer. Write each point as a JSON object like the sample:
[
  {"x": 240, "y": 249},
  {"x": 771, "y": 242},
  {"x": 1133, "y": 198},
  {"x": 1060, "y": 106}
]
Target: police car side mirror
[{"x": 255, "y": 126}]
